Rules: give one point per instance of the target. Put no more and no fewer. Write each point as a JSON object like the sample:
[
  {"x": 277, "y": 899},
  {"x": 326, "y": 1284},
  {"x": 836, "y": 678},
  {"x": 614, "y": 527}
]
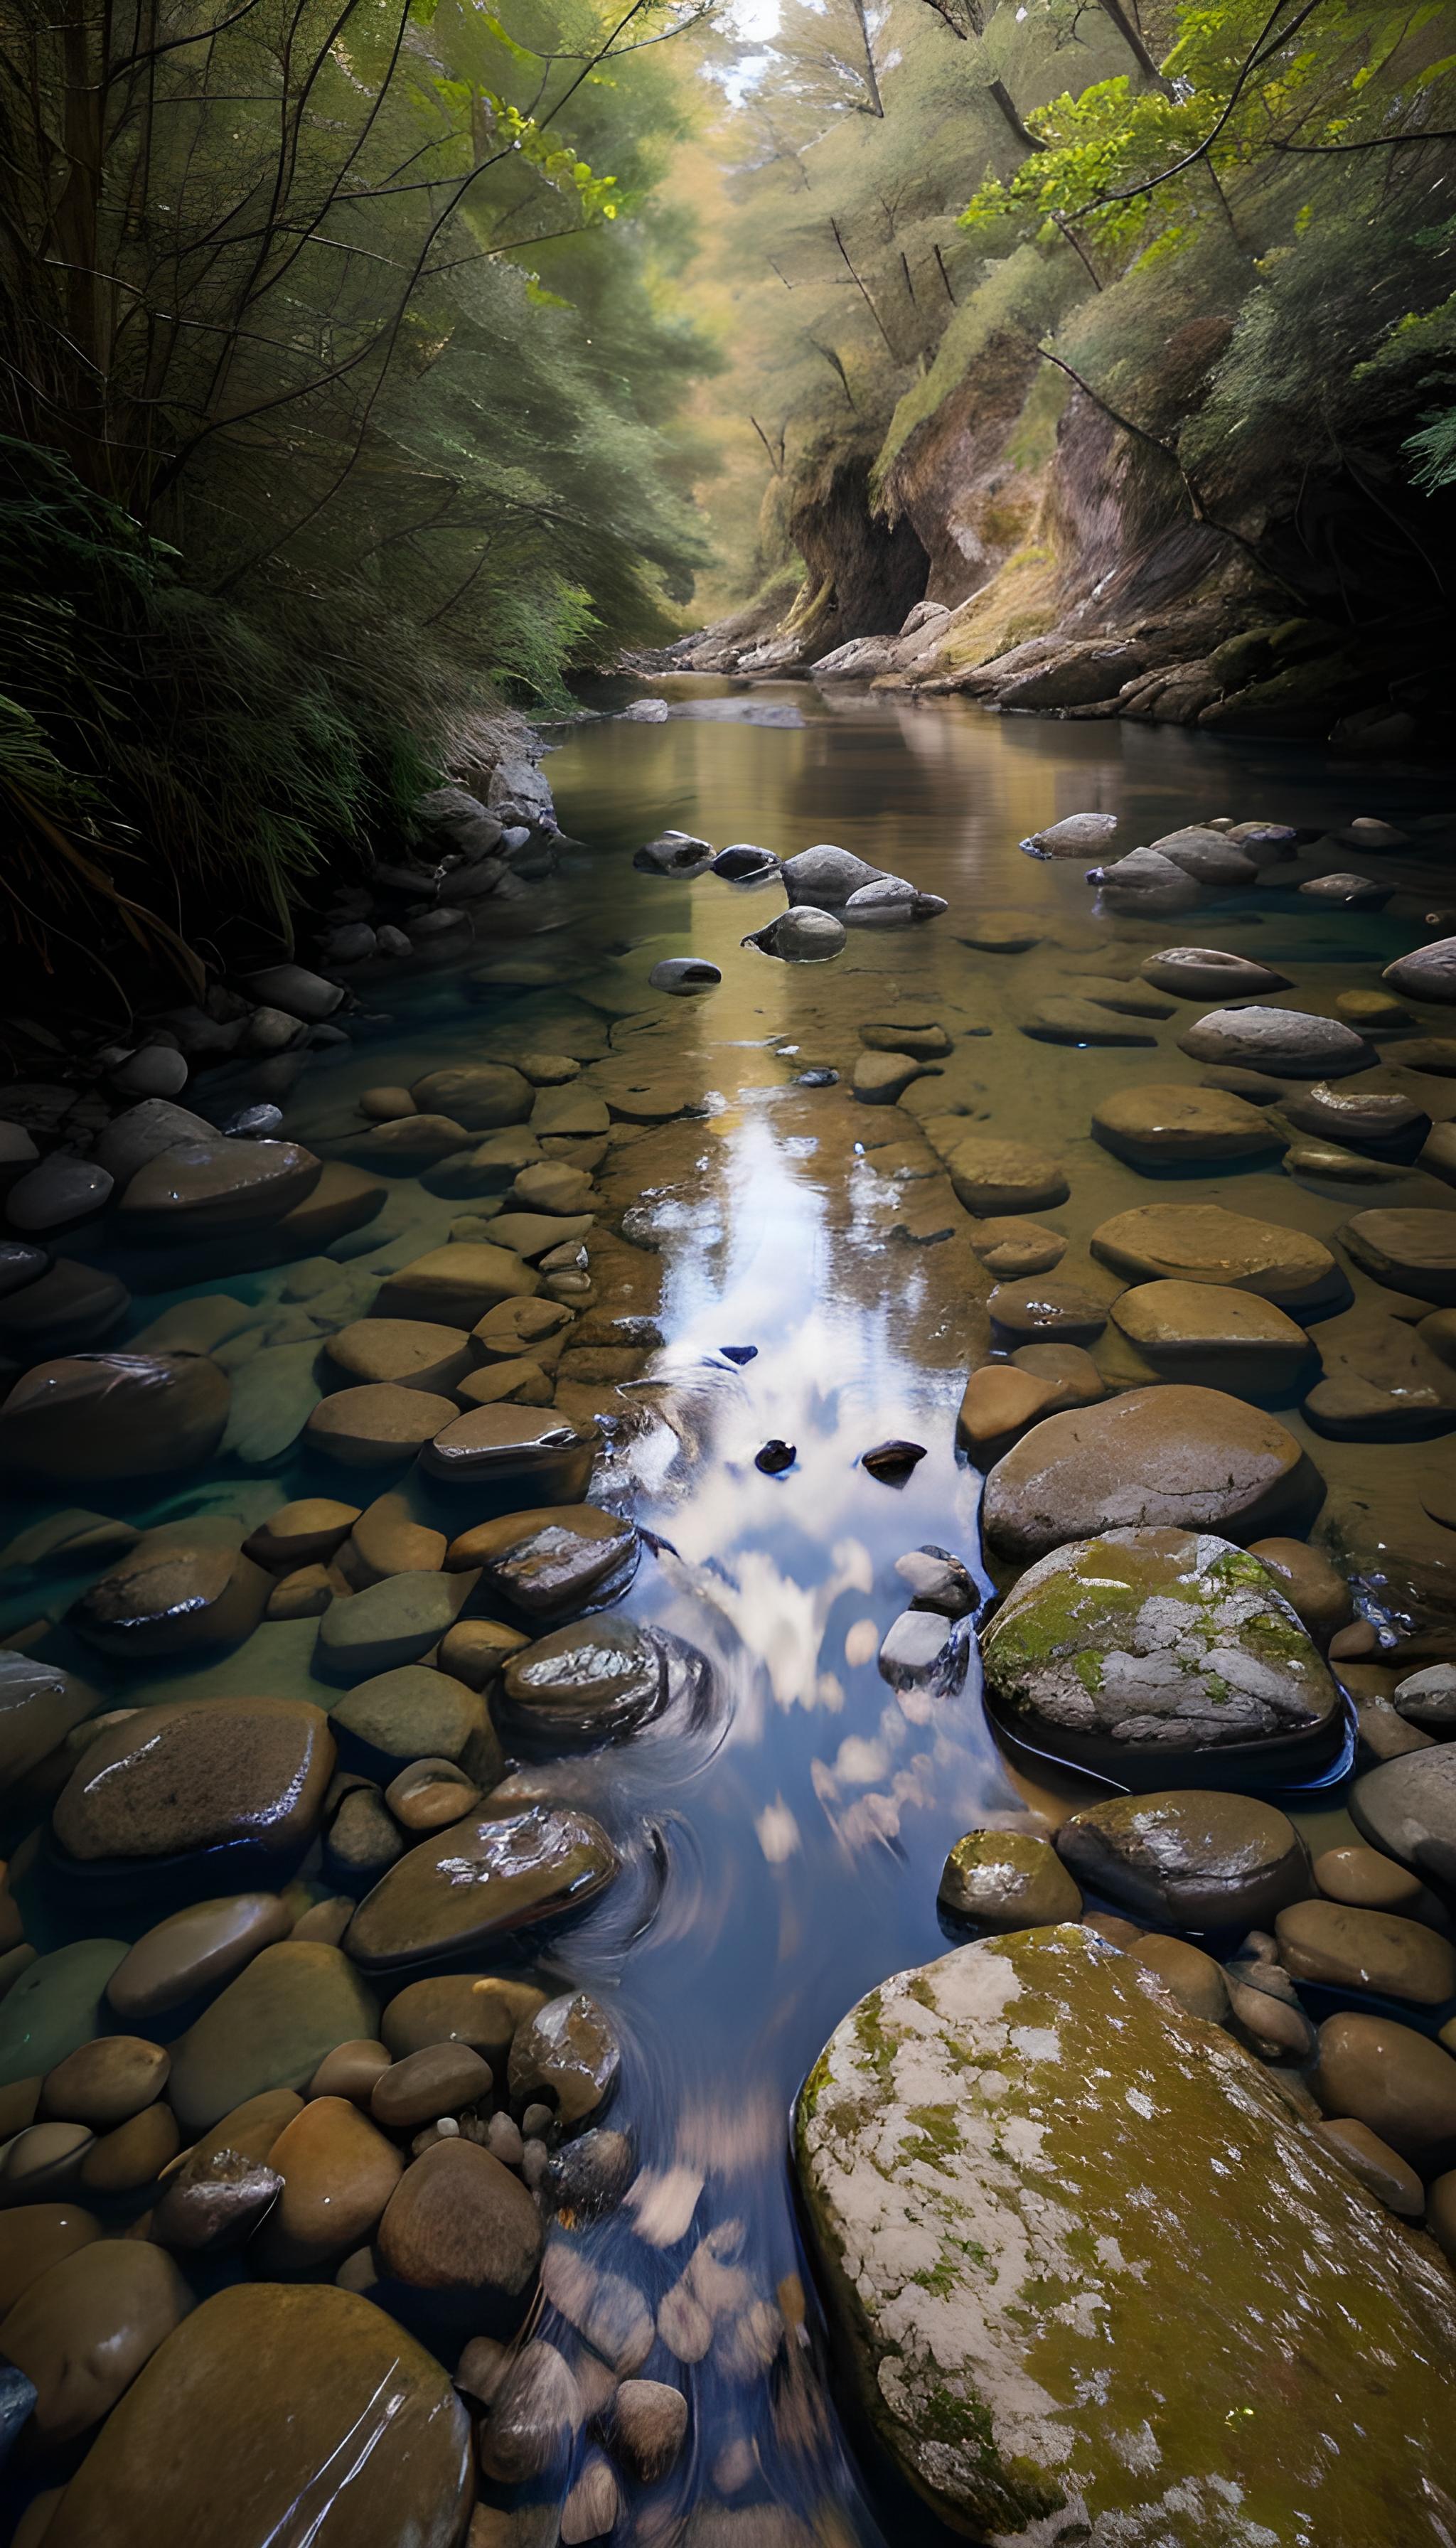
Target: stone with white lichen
[{"x": 1097, "y": 2281}]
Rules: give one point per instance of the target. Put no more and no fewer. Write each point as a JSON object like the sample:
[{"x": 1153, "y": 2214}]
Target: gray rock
[
  {"x": 58, "y": 1193},
  {"x": 534, "y": 2419},
  {"x": 144, "y": 1133},
  {"x": 1347, "y": 891},
  {"x": 1209, "y": 974},
  {"x": 1429, "y": 1698},
  {"x": 825, "y": 877},
  {"x": 1077, "y": 836},
  {"x": 1288, "y": 1042},
  {"x": 1407, "y": 1808},
  {"x": 1143, "y": 1643},
  {"x": 937, "y": 1581},
  {"x": 649, "y": 2425},
  {"x": 674, "y": 854},
  {"x": 1145, "y": 881},
  {"x": 297, "y": 992},
  {"x": 805, "y": 935},
  {"x": 1429, "y": 974},
  {"x": 921, "y": 1651},
  {"x": 743, "y": 862},
  {"x": 153, "y": 1070},
  {"x": 891, "y": 902}
]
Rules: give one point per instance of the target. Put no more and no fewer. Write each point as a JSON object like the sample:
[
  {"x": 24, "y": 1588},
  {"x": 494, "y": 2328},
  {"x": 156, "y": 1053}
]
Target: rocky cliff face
[{"x": 1063, "y": 564}]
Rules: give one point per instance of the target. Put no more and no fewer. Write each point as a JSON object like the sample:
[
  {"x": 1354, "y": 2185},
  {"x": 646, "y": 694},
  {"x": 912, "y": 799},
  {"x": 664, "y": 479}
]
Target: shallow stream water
[{"x": 784, "y": 1836}]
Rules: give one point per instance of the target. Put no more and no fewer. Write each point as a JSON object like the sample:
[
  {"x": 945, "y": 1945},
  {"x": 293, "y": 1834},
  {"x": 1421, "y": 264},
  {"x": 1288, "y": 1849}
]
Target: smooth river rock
[
  {"x": 283, "y": 2413},
  {"x": 1211, "y": 1333},
  {"x": 106, "y": 1415},
  {"x": 1427, "y": 974},
  {"x": 1395, "y": 2081},
  {"x": 1290, "y": 1042},
  {"x": 1007, "y": 1879},
  {"x": 1407, "y": 1808},
  {"x": 477, "y": 1881},
  {"x": 417, "y": 1713},
  {"x": 460, "y": 2222},
  {"x": 1159, "y": 1125},
  {"x": 1030, "y": 2281},
  {"x": 172, "y": 1597},
  {"x": 194, "y": 1950},
  {"x": 1373, "y": 1950},
  {"x": 84, "y": 2329},
  {"x": 269, "y": 2029},
  {"x": 1209, "y": 974},
  {"x": 214, "y": 1188},
  {"x": 1202, "y": 1242},
  {"x": 56, "y": 2005},
  {"x": 1410, "y": 1251},
  {"x": 1172, "y": 1458},
  {"x": 582, "y": 1684},
  {"x": 1191, "y": 1857},
  {"x": 168, "y": 1779},
  {"x": 1122, "y": 1651},
  {"x": 551, "y": 1560},
  {"x": 992, "y": 1177}
]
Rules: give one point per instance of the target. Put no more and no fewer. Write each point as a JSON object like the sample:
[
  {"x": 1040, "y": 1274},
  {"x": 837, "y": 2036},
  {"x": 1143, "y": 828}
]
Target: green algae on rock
[
  {"x": 1058, "y": 2327},
  {"x": 1139, "y": 1646}
]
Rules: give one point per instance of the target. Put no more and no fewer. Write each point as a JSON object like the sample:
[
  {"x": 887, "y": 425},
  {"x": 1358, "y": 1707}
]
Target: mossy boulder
[
  {"x": 1146, "y": 1647},
  {"x": 1094, "y": 2280}
]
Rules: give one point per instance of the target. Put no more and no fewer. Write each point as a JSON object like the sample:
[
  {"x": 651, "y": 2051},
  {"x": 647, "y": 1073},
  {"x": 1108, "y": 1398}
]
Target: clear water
[{"x": 785, "y": 1846}]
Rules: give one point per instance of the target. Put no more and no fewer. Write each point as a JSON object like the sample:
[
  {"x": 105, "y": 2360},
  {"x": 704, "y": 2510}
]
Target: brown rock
[
  {"x": 1171, "y": 1457},
  {"x": 170, "y": 1597},
  {"x": 1011, "y": 1248},
  {"x": 406, "y": 1144},
  {"x": 1007, "y": 1880},
  {"x": 105, "y": 2082},
  {"x": 456, "y": 1285},
  {"x": 550, "y": 1561},
  {"x": 380, "y": 1427},
  {"x": 83, "y": 2330},
  {"x": 535, "y": 2415},
  {"x": 33, "y": 2237},
  {"x": 1192, "y": 1976},
  {"x": 190, "y": 1776},
  {"x": 194, "y": 1950},
  {"x": 477, "y": 1880},
  {"x": 481, "y": 2010},
  {"x": 338, "y": 2173},
  {"x": 43, "y": 2162},
  {"x": 134, "y": 2155},
  {"x": 649, "y": 2425},
  {"x": 299, "y": 1533},
  {"x": 409, "y": 1351},
  {"x": 1068, "y": 1371},
  {"x": 1201, "y": 1242},
  {"x": 479, "y": 1094},
  {"x": 1194, "y": 1857},
  {"x": 430, "y": 1796},
  {"x": 1367, "y": 1880},
  {"x": 999, "y": 1403},
  {"x": 1375, "y": 1950},
  {"x": 1397, "y": 2082},
  {"x": 459, "y": 2220},
  {"x": 224, "y": 2434},
  {"x": 387, "y": 1540},
  {"x": 1376, "y": 2166},
  {"x": 475, "y": 1651},
  {"x": 350, "y": 2070},
  {"x": 440, "y": 2079},
  {"x": 104, "y": 1415},
  {"x": 1308, "y": 1581},
  {"x": 269, "y": 2029}
]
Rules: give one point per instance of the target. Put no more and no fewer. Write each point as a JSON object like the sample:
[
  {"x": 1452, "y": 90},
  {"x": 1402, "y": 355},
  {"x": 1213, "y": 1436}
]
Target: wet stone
[
  {"x": 193, "y": 1950},
  {"x": 457, "y": 1285},
  {"x": 83, "y": 2330},
  {"x": 481, "y": 1880},
  {"x": 567, "y": 2055},
  {"x": 387, "y": 1625},
  {"x": 103, "y": 1416},
  {"x": 338, "y": 2173},
  {"x": 1122, "y": 1651},
  {"x": 908, "y": 2169},
  {"x": 439, "y": 2079},
  {"x": 1314, "y": 1588},
  {"x": 1007, "y": 1879},
  {"x": 378, "y": 1425},
  {"x": 36, "y": 2235},
  {"x": 187, "y": 1777},
  {"x": 479, "y": 1095},
  {"x": 1427, "y": 1698},
  {"x": 1193, "y": 1977},
  {"x": 1396, "y": 2083},
  {"x": 38, "y": 1705},
  {"x": 268, "y": 2030},
  {"x": 519, "y": 1450},
  {"x": 1159, "y": 1125},
  {"x": 1048, "y": 1306},
  {"x": 170, "y": 1597},
  {"x": 1205, "y": 1243},
  {"x": 55, "y": 2006},
  {"x": 992, "y": 1177},
  {"x": 1359, "y": 1949},
  {"x": 1190, "y": 1858},
  {"x": 104, "y": 2083},
  {"x": 1407, "y": 1809},
  {"x": 1012, "y": 1248},
  {"x": 1376, "y": 2166},
  {"x": 1209, "y": 974},
  {"x": 1172, "y": 1457},
  {"x": 1367, "y": 1880},
  {"x": 649, "y": 2425},
  {"x": 553, "y": 1560},
  {"x": 273, "y": 2383},
  {"x": 584, "y": 1683},
  {"x": 458, "y": 2222},
  {"x": 1209, "y": 1332},
  {"x": 1412, "y": 1251},
  {"x": 411, "y": 1352},
  {"x": 478, "y": 2009},
  {"x": 536, "y": 2413}
]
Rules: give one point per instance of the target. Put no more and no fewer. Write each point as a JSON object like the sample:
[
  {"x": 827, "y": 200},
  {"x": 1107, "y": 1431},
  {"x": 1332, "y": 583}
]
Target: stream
[{"x": 784, "y": 1823}]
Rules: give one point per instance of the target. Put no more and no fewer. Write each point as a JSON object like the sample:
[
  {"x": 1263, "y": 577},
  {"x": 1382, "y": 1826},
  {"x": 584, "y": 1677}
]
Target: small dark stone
[
  {"x": 739, "y": 1353},
  {"x": 818, "y": 1078},
  {"x": 741, "y": 860},
  {"x": 591, "y": 2175},
  {"x": 775, "y": 1457},
  {"x": 892, "y": 1462}
]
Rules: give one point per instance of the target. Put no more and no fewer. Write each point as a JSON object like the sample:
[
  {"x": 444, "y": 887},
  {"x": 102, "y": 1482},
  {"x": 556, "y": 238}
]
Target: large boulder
[
  {"x": 1005, "y": 2163},
  {"x": 826, "y": 876},
  {"x": 1177, "y": 1458},
  {"x": 278, "y": 2412},
  {"x": 212, "y": 1188},
  {"x": 102, "y": 1415},
  {"x": 1125, "y": 1652}
]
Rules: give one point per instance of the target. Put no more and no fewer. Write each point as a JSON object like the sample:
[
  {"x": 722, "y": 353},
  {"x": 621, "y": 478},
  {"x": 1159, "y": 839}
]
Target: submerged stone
[
  {"x": 1030, "y": 2282},
  {"x": 269, "y": 2029},
  {"x": 1122, "y": 1651},
  {"x": 169, "y": 1779},
  {"x": 1202, "y": 1242},
  {"x": 276, "y": 2406},
  {"x": 100, "y": 1415},
  {"x": 479, "y": 1880}
]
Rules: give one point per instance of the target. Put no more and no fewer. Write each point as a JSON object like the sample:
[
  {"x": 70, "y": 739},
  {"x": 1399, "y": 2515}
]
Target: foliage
[{"x": 358, "y": 328}]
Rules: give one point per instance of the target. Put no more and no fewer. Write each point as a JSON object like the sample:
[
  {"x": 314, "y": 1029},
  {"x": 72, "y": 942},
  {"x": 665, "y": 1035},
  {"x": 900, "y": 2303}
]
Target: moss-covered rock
[
  {"x": 1143, "y": 1646},
  {"x": 1096, "y": 2282}
]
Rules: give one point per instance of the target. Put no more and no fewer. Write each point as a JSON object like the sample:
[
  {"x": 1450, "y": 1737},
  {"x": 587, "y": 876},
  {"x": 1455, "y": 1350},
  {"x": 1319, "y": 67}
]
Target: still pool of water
[{"x": 784, "y": 1836}]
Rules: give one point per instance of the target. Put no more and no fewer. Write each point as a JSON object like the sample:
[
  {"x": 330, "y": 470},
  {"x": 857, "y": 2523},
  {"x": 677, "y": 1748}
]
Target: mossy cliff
[{"x": 1094, "y": 2280}]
